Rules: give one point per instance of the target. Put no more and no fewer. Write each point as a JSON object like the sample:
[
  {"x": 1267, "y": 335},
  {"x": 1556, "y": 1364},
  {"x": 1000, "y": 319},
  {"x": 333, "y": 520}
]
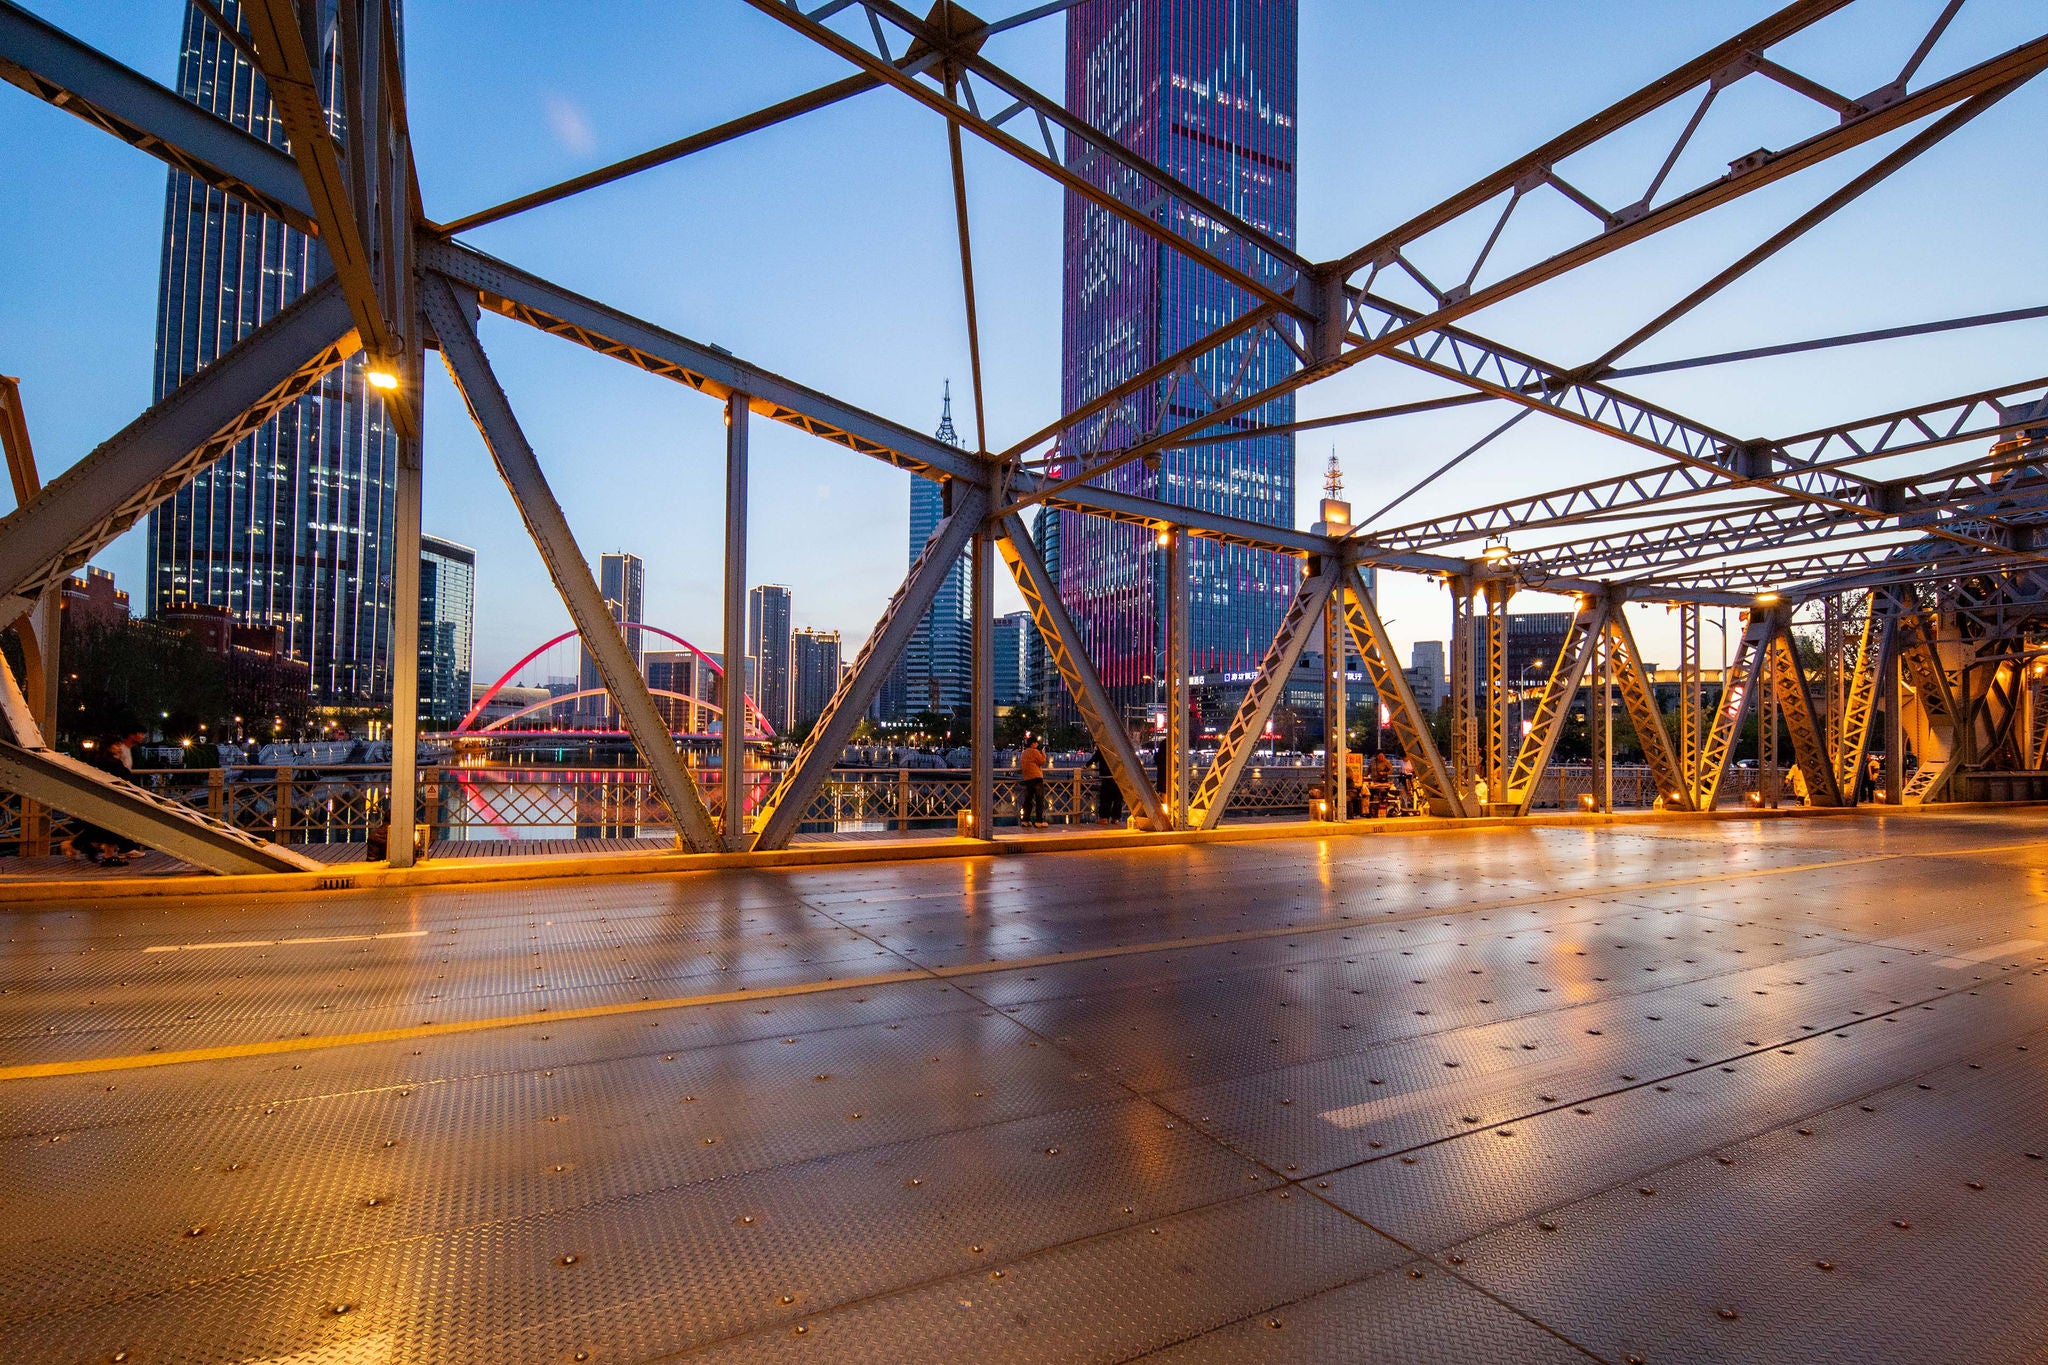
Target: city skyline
[{"x": 1403, "y": 144}]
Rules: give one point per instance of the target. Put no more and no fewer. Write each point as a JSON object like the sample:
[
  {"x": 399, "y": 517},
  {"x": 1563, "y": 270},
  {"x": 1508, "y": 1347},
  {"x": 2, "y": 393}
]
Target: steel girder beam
[
  {"x": 1063, "y": 649},
  {"x": 1984, "y": 415},
  {"x": 1386, "y": 331},
  {"x": 1738, "y": 686},
  {"x": 39, "y": 774},
  {"x": 1177, "y": 663},
  {"x": 1876, "y": 652},
  {"x": 2037, "y": 721},
  {"x": 1389, "y": 683},
  {"x": 78, "y": 513},
  {"x": 1849, "y": 568},
  {"x": 289, "y": 53},
  {"x": 53, "y": 66},
  {"x": 1916, "y": 504},
  {"x": 1994, "y": 709},
  {"x": 1581, "y": 639},
  {"x": 1234, "y": 750},
  {"x": 788, "y": 803},
  {"x": 172, "y": 827},
  {"x": 520, "y": 468},
  {"x": 1794, "y": 702},
  {"x": 1626, "y": 662},
  {"x": 732, "y": 747},
  {"x": 953, "y": 59},
  {"x": 1336, "y": 720}
]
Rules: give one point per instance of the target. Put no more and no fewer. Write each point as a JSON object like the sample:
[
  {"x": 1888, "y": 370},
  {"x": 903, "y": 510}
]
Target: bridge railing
[{"x": 323, "y": 805}]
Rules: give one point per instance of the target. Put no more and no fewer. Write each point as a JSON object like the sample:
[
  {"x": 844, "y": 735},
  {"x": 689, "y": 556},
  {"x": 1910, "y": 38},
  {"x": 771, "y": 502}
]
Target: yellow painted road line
[
  {"x": 430, "y": 1029},
  {"x": 282, "y": 942}
]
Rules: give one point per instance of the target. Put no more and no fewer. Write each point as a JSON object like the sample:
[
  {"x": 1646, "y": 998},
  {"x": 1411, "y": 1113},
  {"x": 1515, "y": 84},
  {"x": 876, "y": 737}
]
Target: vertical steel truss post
[
  {"x": 1600, "y": 720},
  {"x": 1876, "y": 658},
  {"x": 40, "y": 631},
  {"x": 1994, "y": 709},
  {"x": 1738, "y": 687},
  {"x": 1894, "y": 732},
  {"x": 982, "y": 673},
  {"x": 1834, "y": 676},
  {"x": 519, "y": 467},
  {"x": 1063, "y": 650},
  {"x": 1767, "y": 725},
  {"x": 1465, "y": 767},
  {"x": 1691, "y": 698},
  {"x": 788, "y": 804},
  {"x": 1498, "y": 778},
  {"x": 732, "y": 778},
  {"x": 1794, "y": 702},
  {"x": 1206, "y": 807},
  {"x": 401, "y": 820},
  {"x": 1177, "y": 663},
  {"x": 2037, "y": 716},
  {"x": 1625, "y": 663},
  {"x": 1533, "y": 756},
  {"x": 1411, "y": 727},
  {"x": 1335, "y": 612}
]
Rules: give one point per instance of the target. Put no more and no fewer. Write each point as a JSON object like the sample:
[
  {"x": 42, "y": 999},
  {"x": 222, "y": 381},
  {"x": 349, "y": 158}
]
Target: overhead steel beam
[
  {"x": 788, "y": 804},
  {"x": 1064, "y": 651},
  {"x": 1383, "y": 331},
  {"x": 1984, "y": 415},
  {"x": 53, "y": 66},
  {"x": 1875, "y": 334},
  {"x": 779, "y": 112},
  {"x": 80, "y": 512},
  {"x": 1234, "y": 749},
  {"x": 1390, "y": 684},
  {"x": 517, "y": 464}
]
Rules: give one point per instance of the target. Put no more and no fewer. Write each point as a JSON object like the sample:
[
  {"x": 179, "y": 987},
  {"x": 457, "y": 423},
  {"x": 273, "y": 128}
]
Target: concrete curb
[{"x": 565, "y": 867}]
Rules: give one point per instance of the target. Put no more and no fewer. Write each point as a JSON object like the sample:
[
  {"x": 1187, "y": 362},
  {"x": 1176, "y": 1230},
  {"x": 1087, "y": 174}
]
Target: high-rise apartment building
[
  {"x": 768, "y": 647},
  {"x": 1012, "y": 656},
  {"x": 685, "y": 689},
  {"x": 934, "y": 671},
  {"x": 622, "y": 580},
  {"x": 447, "y": 617},
  {"x": 292, "y": 529},
  {"x": 1206, "y": 90},
  {"x": 1426, "y": 674},
  {"x": 814, "y": 673}
]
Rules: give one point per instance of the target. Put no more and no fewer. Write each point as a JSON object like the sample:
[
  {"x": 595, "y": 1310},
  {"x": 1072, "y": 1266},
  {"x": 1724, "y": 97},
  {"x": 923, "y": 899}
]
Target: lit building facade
[
  {"x": 447, "y": 619},
  {"x": 293, "y": 528},
  {"x": 814, "y": 666},
  {"x": 768, "y": 648},
  {"x": 1012, "y": 635},
  {"x": 1206, "y": 90}
]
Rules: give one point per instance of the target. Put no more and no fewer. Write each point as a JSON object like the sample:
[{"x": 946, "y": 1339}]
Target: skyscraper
[
  {"x": 814, "y": 673},
  {"x": 1206, "y": 90},
  {"x": 934, "y": 671},
  {"x": 1012, "y": 655},
  {"x": 768, "y": 647},
  {"x": 447, "y": 615},
  {"x": 622, "y": 579},
  {"x": 292, "y": 529}
]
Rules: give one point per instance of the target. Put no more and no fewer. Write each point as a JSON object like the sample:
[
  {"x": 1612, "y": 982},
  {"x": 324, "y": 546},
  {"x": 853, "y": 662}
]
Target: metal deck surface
[{"x": 1772, "y": 1090}]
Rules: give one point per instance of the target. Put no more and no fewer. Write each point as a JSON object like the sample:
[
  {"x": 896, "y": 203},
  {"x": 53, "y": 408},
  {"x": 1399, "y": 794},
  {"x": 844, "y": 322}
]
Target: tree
[{"x": 1020, "y": 721}]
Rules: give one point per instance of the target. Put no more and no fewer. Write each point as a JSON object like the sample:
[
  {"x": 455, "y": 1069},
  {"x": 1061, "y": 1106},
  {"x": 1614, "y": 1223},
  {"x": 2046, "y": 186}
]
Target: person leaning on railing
[{"x": 1031, "y": 777}]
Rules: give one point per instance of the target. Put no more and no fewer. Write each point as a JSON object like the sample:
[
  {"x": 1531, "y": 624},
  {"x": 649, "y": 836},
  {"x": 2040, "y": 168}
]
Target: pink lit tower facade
[{"x": 1206, "y": 90}]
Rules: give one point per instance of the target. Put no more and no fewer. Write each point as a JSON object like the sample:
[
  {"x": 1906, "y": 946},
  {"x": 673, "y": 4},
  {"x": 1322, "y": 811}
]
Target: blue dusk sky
[{"x": 824, "y": 249}]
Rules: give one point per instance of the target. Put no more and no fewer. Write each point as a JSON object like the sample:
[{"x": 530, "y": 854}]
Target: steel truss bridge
[{"x": 1911, "y": 533}]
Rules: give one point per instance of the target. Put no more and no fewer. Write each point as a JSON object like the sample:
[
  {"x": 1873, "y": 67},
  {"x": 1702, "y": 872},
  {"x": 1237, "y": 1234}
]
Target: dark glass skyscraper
[
  {"x": 934, "y": 673},
  {"x": 1206, "y": 90},
  {"x": 293, "y": 528},
  {"x": 768, "y": 646},
  {"x": 622, "y": 579}
]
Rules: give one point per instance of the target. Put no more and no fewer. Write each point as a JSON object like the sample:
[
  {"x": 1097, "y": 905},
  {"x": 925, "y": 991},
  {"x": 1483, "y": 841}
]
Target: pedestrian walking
[{"x": 1031, "y": 772}]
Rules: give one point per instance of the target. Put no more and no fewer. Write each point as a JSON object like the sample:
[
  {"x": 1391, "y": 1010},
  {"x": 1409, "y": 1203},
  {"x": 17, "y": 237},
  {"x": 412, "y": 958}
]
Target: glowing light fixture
[
  {"x": 1769, "y": 599},
  {"x": 1166, "y": 535},
  {"x": 381, "y": 378},
  {"x": 1496, "y": 552}
]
